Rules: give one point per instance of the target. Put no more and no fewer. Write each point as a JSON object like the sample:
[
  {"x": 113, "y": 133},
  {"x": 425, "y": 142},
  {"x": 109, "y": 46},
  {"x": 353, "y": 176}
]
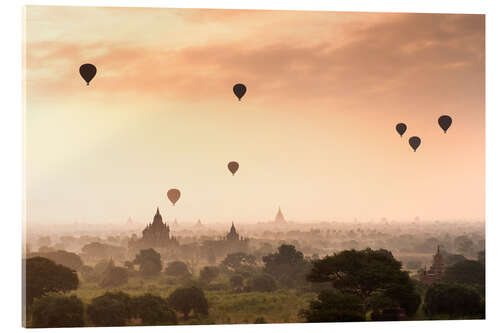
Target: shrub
[
  {"x": 262, "y": 283},
  {"x": 453, "y": 300},
  {"x": 110, "y": 309},
  {"x": 331, "y": 306},
  {"x": 153, "y": 310},
  {"x": 57, "y": 311},
  {"x": 208, "y": 274},
  {"x": 178, "y": 269},
  {"x": 114, "y": 277},
  {"x": 44, "y": 276},
  {"x": 186, "y": 299}
]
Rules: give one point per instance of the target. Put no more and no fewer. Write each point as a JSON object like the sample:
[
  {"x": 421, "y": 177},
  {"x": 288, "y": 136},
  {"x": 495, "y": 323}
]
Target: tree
[
  {"x": 178, "y": 269},
  {"x": 238, "y": 260},
  {"x": 87, "y": 273},
  {"x": 466, "y": 272},
  {"x": 332, "y": 306},
  {"x": 68, "y": 259},
  {"x": 114, "y": 277},
  {"x": 404, "y": 294},
  {"x": 153, "y": 310},
  {"x": 208, "y": 274},
  {"x": 481, "y": 257},
  {"x": 56, "y": 310},
  {"x": 452, "y": 258},
  {"x": 287, "y": 265},
  {"x": 464, "y": 245},
  {"x": 261, "y": 283},
  {"x": 149, "y": 262},
  {"x": 236, "y": 281},
  {"x": 44, "y": 276},
  {"x": 186, "y": 299},
  {"x": 96, "y": 250},
  {"x": 361, "y": 273},
  {"x": 110, "y": 309},
  {"x": 453, "y": 300}
]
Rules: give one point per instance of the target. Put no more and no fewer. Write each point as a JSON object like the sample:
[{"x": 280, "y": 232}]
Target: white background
[{"x": 11, "y": 157}]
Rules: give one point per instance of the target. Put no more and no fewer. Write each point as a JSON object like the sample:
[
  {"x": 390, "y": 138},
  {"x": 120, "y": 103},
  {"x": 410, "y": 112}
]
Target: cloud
[{"x": 404, "y": 53}]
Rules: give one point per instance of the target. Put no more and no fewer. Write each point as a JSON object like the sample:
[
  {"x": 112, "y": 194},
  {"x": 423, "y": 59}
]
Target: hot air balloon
[
  {"x": 173, "y": 195},
  {"x": 233, "y": 167},
  {"x": 88, "y": 71},
  {"x": 401, "y": 129},
  {"x": 414, "y": 142},
  {"x": 445, "y": 122},
  {"x": 239, "y": 90}
]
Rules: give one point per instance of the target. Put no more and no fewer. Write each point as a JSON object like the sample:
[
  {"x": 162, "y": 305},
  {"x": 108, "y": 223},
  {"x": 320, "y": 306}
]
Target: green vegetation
[
  {"x": 189, "y": 299},
  {"x": 334, "y": 306},
  {"x": 353, "y": 285},
  {"x": 453, "y": 300},
  {"x": 57, "y": 311},
  {"x": 149, "y": 262},
  {"x": 44, "y": 276},
  {"x": 110, "y": 309},
  {"x": 368, "y": 274}
]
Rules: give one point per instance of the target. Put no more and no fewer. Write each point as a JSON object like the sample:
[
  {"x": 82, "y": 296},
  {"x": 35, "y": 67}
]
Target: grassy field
[{"x": 226, "y": 307}]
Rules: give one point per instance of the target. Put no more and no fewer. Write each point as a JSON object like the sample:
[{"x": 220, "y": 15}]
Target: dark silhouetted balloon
[
  {"x": 445, "y": 122},
  {"x": 239, "y": 90},
  {"x": 173, "y": 195},
  {"x": 414, "y": 142},
  {"x": 401, "y": 129},
  {"x": 233, "y": 167},
  {"x": 88, "y": 71}
]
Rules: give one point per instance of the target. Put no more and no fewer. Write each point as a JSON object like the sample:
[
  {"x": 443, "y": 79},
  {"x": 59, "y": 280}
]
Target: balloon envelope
[
  {"x": 233, "y": 167},
  {"x": 173, "y": 195},
  {"x": 239, "y": 90},
  {"x": 445, "y": 122},
  {"x": 414, "y": 142},
  {"x": 88, "y": 71},
  {"x": 401, "y": 128}
]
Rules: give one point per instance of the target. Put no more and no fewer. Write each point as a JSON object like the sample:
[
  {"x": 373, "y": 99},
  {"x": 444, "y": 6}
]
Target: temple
[
  {"x": 279, "y": 217},
  {"x": 233, "y": 235},
  {"x": 156, "y": 234},
  {"x": 435, "y": 273}
]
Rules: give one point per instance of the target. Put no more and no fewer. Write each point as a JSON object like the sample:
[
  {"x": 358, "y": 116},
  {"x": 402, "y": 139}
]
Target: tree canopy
[
  {"x": 110, "y": 309},
  {"x": 56, "y": 310},
  {"x": 466, "y": 272},
  {"x": 454, "y": 300},
  {"x": 288, "y": 265},
  {"x": 114, "y": 277},
  {"x": 189, "y": 299},
  {"x": 365, "y": 273},
  {"x": 177, "y": 268},
  {"x": 238, "y": 260},
  {"x": 44, "y": 276},
  {"x": 333, "y": 306},
  {"x": 262, "y": 283},
  {"x": 149, "y": 262},
  {"x": 153, "y": 310},
  {"x": 68, "y": 259},
  {"x": 208, "y": 274}
]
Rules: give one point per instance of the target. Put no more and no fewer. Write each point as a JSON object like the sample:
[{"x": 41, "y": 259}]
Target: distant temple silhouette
[
  {"x": 156, "y": 234},
  {"x": 231, "y": 242},
  {"x": 435, "y": 273},
  {"x": 279, "y": 217},
  {"x": 233, "y": 235}
]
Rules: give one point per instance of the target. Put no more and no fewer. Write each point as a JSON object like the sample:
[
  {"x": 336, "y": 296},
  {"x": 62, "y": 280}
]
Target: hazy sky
[{"x": 314, "y": 133}]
